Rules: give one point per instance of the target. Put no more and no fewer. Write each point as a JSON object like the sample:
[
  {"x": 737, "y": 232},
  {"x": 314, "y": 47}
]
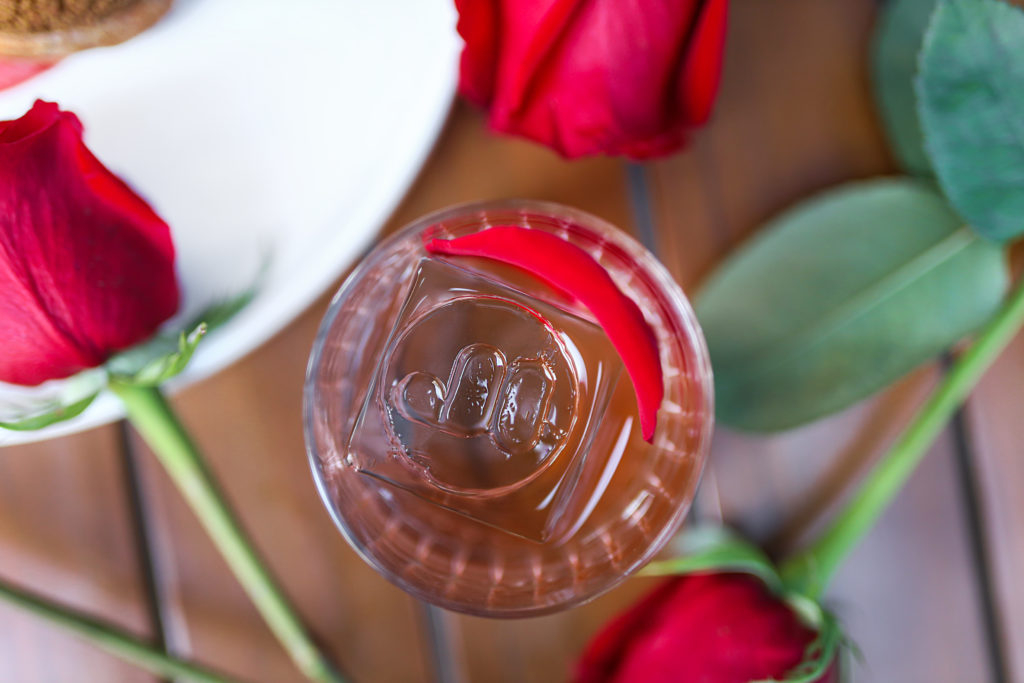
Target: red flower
[
  {"x": 86, "y": 266},
  {"x": 702, "y": 628},
  {"x": 623, "y": 77}
]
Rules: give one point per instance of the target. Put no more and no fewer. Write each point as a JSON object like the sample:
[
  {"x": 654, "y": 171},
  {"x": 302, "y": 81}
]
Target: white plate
[{"x": 260, "y": 129}]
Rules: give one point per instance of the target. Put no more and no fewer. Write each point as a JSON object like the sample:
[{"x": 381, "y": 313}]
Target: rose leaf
[
  {"x": 899, "y": 33},
  {"x": 970, "y": 97},
  {"x": 157, "y": 361},
  {"x": 840, "y": 296},
  {"x": 52, "y": 403}
]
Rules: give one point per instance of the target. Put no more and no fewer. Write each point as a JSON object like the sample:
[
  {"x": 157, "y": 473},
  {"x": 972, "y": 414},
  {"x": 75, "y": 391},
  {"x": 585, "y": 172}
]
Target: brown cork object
[{"x": 54, "y": 28}]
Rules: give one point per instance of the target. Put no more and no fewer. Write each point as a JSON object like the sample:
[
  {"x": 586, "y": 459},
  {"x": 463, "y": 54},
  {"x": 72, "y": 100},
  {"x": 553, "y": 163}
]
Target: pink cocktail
[{"x": 474, "y": 432}]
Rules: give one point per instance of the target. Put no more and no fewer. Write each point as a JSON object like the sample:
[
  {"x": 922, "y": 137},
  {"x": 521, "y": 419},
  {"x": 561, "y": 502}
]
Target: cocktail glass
[{"x": 473, "y": 432}]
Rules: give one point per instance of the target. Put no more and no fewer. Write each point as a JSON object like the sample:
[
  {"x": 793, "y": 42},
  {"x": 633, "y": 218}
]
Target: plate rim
[{"x": 369, "y": 216}]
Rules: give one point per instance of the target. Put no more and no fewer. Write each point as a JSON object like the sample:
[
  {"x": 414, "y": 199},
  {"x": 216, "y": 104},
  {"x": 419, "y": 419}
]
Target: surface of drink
[{"x": 474, "y": 432}]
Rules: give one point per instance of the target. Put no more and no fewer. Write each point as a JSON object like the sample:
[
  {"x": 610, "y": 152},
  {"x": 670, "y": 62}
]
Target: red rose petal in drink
[{"x": 571, "y": 269}]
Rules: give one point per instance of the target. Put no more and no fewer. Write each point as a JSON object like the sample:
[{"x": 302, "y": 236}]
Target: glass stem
[
  {"x": 810, "y": 570},
  {"x": 151, "y": 415},
  {"x": 110, "y": 638}
]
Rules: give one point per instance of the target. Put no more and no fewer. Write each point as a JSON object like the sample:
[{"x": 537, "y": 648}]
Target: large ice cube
[{"x": 485, "y": 400}]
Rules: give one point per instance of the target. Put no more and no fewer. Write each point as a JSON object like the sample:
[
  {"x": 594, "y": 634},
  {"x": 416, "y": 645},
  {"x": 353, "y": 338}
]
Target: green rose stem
[
  {"x": 811, "y": 569},
  {"x": 110, "y": 638},
  {"x": 149, "y": 412}
]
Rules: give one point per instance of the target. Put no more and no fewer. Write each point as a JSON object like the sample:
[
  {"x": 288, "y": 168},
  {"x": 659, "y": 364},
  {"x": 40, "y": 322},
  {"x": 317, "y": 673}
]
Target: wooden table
[{"x": 932, "y": 595}]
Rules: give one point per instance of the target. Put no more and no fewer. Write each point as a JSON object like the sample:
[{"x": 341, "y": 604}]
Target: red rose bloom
[
  {"x": 604, "y": 76},
  {"x": 702, "y": 628},
  {"x": 86, "y": 266}
]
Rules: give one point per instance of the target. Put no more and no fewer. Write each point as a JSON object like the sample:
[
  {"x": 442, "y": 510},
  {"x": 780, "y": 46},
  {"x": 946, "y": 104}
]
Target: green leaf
[
  {"x": 155, "y": 362},
  {"x": 57, "y": 414},
  {"x": 840, "y": 296},
  {"x": 716, "y": 548},
  {"x": 899, "y": 34},
  {"x": 44, "y": 408},
  {"x": 220, "y": 312},
  {"x": 165, "y": 356},
  {"x": 971, "y": 106}
]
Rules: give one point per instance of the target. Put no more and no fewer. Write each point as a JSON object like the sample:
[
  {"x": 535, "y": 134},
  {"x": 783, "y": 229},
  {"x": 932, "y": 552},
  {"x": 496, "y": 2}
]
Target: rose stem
[
  {"x": 811, "y": 569},
  {"x": 110, "y": 638},
  {"x": 149, "y": 412}
]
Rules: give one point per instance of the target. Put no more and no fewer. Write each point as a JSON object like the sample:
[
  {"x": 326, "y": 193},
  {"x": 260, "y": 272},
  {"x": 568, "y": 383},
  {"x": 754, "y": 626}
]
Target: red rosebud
[
  {"x": 605, "y": 76},
  {"x": 701, "y": 628},
  {"x": 86, "y": 266}
]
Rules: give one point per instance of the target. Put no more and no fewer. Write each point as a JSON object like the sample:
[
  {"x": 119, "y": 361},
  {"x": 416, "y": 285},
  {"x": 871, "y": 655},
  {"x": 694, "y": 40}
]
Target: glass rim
[{"x": 672, "y": 301}]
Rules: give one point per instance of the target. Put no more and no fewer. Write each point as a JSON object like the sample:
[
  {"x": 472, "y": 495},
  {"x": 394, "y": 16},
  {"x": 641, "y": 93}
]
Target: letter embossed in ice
[
  {"x": 461, "y": 406},
  {"x": 521, "y": 419}
]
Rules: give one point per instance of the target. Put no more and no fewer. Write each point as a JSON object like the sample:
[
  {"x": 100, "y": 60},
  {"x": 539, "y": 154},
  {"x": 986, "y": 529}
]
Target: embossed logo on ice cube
[
  {"x": 487, "y": 400},
  {"x": 480, "y": 394},
  {"x": 485, "y": 393}
]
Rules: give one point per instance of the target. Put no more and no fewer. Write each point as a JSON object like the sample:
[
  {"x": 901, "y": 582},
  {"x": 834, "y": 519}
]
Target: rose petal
[
  {"x": 606, "y": 76},
  {"x": 480, "y": 29},
  {"x": 720, "y": 627},
  {"x": 573, "y": 270},
  {"x": 734, "y": 628},
  {"x": 606, "y": 650},
  {"x": 86, "y": 266},
  {"x": 606, "y": 84},
  {"x": 701, "y": 70}
]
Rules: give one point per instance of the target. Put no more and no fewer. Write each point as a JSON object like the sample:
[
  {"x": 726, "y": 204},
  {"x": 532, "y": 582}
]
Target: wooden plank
[
  {"x": 996, "y": 432},
  {"x": 470, "y": 163},
  {"x": 908, "y": 594},
  {"x": 65, "y": 532},
  {"x": 795, "y": 117},
  {"x": 541, "y": 649}
]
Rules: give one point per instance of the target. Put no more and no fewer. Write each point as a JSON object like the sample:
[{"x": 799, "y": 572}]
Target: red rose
[
  {"x": 605, "y": 76},
  {"x": 86, "y": 266},
  {"x": 702, "y": 628}
]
